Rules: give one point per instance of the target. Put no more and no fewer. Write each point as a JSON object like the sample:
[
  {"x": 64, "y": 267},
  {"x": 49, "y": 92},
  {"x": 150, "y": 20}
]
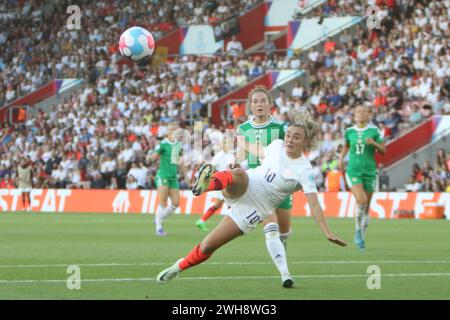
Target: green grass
[{"x": 414, "y": 257}]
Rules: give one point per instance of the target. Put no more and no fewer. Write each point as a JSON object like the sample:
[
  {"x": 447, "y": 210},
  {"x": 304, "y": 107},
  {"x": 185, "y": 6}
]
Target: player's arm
[
  {"x": 156, "y": 154},
  {"x": 381, "y": 148},
  {"x": 251, "y": 148},
  {"x": 342, "y": 155},
  {"x": 319, "y": 217},
  {"x": 240, "y": 155}
]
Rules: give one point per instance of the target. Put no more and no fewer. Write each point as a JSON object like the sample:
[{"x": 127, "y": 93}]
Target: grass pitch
[{"x": 119, "y": 257}]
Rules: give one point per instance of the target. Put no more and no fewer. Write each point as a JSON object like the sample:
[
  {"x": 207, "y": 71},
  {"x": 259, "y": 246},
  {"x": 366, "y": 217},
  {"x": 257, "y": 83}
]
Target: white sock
[
  {"x": 365, "y": 224},
  {"x": 168, "y": 211},
  {"x": 360, "y": 213},
  {"x": 159, "y": 216},
  {"x": 276, "y": 248}
]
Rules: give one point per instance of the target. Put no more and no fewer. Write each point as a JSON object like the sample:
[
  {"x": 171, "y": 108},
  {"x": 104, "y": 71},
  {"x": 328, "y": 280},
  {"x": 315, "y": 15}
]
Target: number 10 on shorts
[{"x": 253, "y": 217}]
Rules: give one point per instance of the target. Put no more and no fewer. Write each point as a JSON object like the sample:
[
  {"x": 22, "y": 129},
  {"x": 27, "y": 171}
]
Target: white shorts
[
  {"x": 22, "y": 190},
  {"x": 247, "y": 211},
  {"x": 245, "y": 216}
]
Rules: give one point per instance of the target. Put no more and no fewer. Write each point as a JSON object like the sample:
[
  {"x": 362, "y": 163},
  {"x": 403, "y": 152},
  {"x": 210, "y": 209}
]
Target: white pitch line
[
  {"x": 145, "y": 264},
  {"x": 232, "y": 278}
]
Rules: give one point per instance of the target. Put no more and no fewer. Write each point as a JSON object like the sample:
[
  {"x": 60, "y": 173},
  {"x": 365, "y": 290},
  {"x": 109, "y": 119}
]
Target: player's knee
[
  {"x": 362, "y": 201},
  {"x": 238, "y": 173}
]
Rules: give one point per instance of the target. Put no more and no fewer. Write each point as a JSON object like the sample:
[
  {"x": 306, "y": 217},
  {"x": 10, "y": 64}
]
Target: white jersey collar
[
  {"x": 254, "y": 125},
  {"x": 361, "y": 129}
]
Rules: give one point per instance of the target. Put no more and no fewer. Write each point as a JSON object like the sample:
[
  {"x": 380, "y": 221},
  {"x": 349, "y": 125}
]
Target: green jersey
[
  {"x": 362, "y": 155},
  {"x": 169, "y": 158},
  {"x": 262, "y": 135}
]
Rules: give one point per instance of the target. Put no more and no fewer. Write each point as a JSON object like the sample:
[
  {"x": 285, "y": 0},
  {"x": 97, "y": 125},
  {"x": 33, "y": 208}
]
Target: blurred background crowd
[{"x": 102, "y": 136}]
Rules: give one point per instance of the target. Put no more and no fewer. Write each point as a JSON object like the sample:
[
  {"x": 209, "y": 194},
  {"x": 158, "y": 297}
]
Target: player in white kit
[
  {"x": 223, "y": 160},
  {"x": 254, "y": 194}
]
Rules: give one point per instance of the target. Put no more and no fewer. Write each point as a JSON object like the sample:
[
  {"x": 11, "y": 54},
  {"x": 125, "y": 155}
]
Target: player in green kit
[
  {"x": 362, "y": 141},
  {"x": 168, "y": 152},
  {"x": 261, "y": 129}
]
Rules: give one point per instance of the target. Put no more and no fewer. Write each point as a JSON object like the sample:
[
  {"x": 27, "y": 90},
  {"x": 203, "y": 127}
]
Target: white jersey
[
  {"x": 270, "y": 183},
  {"x": 222, "y": 160}
]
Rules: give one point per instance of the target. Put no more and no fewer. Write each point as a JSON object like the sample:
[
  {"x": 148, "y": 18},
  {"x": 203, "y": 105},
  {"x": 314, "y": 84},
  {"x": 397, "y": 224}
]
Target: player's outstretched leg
[
  {"x": 233, "y": 183},
  {"x": 204, "y": 177},
  {"x": 226, "y": 231},
  {"x": 196, "y": 256},
  {"x": 170, "y": 273}
]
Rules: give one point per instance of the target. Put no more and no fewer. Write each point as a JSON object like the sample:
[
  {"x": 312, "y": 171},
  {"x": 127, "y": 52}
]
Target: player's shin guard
[
  {"x": 365, "y": 224},
  {"x": 196, "y": 256},
  {"x": 220, "y": 180},
  {"x": 276, "y": 248},
  {"x": 360, "y": 213}
]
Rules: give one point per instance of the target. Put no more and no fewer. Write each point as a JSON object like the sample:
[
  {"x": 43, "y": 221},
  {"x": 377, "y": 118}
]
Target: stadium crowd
[
  {"x": 38, "y": 49},
  {"x": 431, "y": 177},
  {"x": 102, "y": 136},
  {"x": 402, "y": 72}
]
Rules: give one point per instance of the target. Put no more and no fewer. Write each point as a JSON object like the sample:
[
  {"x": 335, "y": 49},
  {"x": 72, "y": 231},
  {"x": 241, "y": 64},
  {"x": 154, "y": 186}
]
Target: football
[{"x": 137, "y": 44}]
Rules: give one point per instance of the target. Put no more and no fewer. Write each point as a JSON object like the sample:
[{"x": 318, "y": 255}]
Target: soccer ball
[{"x": 137, "y": 44}]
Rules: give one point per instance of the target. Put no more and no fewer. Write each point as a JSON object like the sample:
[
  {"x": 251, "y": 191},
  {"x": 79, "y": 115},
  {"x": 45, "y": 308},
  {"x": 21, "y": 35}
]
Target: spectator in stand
[
  {"x": 334, "y": 181},
  {"x": 448, "y": 162},
  {"x": 234, "y": 47},
  {"x": 269, "y": 47},
  {"x": 415, "y": 117},
  {"x": 58, "y": 177},
  {"x": 98, "y": 182},
  {"x": 383, "y": 179},
  {"x": 428, "y": 185},
  {"x": 6, "y": 182},
  {"x": 385, "y": 131},
  {"x": 440, "y": 162},
  {"x": 414, "y": 185},
  {"x": 417, "y": 173},
  {"x": 427, "y": 170}
]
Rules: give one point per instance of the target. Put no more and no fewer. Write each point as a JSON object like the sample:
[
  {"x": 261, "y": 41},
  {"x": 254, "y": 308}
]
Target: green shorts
[
  {"x": 172, "y": 183},
  {"x": 286, "y": 204},
  {"x": 368, "y": 182}
]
